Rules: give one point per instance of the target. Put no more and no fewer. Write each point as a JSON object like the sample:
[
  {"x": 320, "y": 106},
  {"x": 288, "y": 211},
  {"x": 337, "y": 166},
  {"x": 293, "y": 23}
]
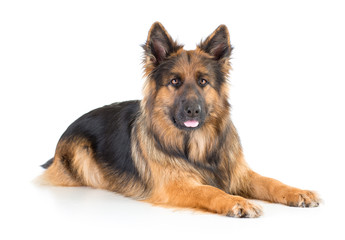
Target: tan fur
[
  {"x": 269, "y": 189},
  {"x": 81, "y": 160},
  {"x": 56, "y": 175},
  {"x": 89, "y": 171}
]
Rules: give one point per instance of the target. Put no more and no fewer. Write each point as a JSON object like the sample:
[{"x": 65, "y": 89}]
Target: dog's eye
[
  {"x": 202, "y": 82},
  {"x": 175, "y": 82}
]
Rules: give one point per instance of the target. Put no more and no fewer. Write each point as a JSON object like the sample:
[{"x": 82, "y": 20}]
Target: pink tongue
[{"x": 191, "y": 123}]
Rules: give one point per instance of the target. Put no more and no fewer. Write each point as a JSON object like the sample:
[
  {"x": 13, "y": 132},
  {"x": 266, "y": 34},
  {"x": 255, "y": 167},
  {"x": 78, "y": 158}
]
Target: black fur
[
  {"x": 48, "y": 163},
  {"x": 108, "y": 129}
]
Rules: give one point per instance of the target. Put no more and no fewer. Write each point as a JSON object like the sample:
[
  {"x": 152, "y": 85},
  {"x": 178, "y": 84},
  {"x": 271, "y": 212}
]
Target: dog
[{"x": 177, "y": 147}]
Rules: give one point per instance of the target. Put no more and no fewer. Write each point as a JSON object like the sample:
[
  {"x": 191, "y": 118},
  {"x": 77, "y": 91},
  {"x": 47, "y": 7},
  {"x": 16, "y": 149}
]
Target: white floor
[{"x": 31, "y": 211}]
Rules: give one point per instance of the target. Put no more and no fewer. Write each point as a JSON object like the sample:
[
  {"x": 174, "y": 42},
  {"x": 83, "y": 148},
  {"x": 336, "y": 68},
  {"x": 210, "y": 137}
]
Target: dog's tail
[{"x": 48, "y": 163}]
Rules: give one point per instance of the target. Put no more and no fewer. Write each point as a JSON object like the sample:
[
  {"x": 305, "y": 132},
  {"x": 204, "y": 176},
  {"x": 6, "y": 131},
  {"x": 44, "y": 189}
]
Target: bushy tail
[{"x": 48, "y": 163}]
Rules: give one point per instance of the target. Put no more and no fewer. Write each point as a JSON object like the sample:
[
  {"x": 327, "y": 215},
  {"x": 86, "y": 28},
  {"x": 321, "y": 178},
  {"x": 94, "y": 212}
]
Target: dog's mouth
[{"x": 189, "y": 124}]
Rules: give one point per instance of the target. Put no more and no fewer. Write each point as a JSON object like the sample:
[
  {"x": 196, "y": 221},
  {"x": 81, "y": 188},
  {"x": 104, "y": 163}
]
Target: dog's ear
[
  {"x": 159, "y": 44},
  {"x": 218, "y": 44}
]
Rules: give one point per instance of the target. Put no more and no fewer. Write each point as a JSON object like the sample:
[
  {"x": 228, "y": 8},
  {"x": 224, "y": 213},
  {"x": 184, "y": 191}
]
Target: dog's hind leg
[
  {"x": 74, "y": 165},
  {"x": 57, "y": 174}
]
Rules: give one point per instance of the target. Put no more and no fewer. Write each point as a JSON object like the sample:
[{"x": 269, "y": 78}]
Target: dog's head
[{"x": 186, "y": 90}]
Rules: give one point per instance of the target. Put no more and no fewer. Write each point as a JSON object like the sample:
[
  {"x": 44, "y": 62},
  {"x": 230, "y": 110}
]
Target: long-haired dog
[{"x": 178, "y": 146}]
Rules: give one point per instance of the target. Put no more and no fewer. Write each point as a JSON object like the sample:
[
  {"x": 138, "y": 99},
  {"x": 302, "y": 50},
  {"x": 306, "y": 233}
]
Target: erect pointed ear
[
  {"x": 218, "y": 43},
  {"x": 159, "y": 44}
]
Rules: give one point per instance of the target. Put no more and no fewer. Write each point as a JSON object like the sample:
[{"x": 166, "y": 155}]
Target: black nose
[{"x": 192, "y": 110}]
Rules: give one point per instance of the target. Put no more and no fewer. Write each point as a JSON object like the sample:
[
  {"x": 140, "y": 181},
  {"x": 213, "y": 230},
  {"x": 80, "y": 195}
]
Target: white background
[{"x": 60, "y": 59}]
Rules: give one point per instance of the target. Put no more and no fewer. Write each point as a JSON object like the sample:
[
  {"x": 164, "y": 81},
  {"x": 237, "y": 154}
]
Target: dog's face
[{"x": 186, "y": 89}]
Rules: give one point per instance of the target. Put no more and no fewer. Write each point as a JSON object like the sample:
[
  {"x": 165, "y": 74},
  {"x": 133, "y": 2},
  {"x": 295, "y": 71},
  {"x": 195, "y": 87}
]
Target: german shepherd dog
[{"x": 177, "y": 147}]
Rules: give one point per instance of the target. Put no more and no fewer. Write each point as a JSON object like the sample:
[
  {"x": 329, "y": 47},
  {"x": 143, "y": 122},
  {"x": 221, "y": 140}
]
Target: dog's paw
[
  {"x": 245, "y": 209},
  {"x": 302, "y": 198}
]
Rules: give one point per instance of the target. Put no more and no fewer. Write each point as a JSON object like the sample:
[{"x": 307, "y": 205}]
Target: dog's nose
[{"x": 192, "y": 110}]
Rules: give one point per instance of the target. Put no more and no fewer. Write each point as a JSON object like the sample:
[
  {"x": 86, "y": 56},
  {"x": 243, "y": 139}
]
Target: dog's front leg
[
  {"x": 205, "y": 197},
  {"x": 269, "y": 189}
]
